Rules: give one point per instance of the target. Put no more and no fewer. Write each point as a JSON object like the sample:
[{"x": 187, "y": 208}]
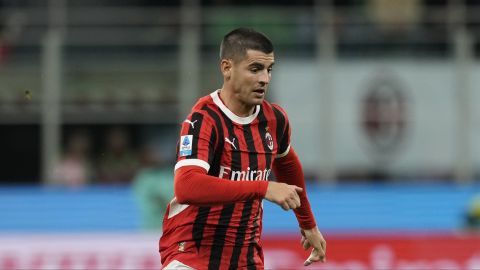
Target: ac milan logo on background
[
  {"x": 269, "y": 139},
  {"x": 384, "y": 115}
]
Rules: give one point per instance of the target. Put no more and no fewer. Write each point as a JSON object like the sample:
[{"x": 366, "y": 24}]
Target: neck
[{"x": 234, "y": 104}]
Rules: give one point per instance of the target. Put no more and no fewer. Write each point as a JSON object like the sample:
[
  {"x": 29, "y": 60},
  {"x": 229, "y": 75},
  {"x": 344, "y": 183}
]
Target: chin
[{"x": 257, "y": 101}]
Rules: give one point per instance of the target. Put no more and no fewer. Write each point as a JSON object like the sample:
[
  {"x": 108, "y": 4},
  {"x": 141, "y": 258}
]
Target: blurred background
[{"x": 381, "y": 96}]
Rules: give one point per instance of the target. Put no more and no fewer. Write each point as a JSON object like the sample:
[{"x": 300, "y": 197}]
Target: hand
[
  {"x": 314, "y": 238},
  {"x": 284, "y": 195}
]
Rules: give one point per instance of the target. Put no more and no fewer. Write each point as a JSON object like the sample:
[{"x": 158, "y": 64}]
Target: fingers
[
  {"x": 294, "y": 201},
  {"x": 315, "y": 256},
  {"x": 286, "y": 196},
  {"x": 285, "y": 206},
  {"x": 305, "y": 244},
  {"x": 322, "y": 250},
  {"x": 314, "y": 238},
  {"x": 291, "y": 203},
  {"x": 291, "y": 199},
  {"x": 312, "y": 258}
]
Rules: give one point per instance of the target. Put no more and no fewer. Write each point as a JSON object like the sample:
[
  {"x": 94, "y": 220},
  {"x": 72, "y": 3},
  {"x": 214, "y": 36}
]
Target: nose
[{"x": 265, "y": 77}]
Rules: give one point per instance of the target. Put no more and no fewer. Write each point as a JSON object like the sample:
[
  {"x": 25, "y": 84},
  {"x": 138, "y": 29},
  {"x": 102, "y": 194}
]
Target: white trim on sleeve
[
  {"x": 284, "y": 153},
  {"x": 194, "y": 162}
]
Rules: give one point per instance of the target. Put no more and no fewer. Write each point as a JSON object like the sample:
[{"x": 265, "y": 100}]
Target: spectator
[
  {"x": 395, "y": 17},
  {"x": 10, "y": 28},
  {"x": 118, "y": 163},
  {"x": 74, "y": 168},
  {"x": 153, "y": 187},
  {"x": 472, "y": 217}
]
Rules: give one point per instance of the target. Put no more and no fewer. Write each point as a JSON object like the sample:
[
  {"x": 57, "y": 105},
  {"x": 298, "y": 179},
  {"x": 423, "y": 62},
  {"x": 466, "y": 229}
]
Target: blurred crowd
[
  {"x": 148, "y": 168},
  {"x": 116, "y": 162}
]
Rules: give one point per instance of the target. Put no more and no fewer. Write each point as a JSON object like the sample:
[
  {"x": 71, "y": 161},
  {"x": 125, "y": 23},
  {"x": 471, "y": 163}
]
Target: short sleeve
[
  {"x": 197, "y": 142},
  {"x": 283, "y": 131}
]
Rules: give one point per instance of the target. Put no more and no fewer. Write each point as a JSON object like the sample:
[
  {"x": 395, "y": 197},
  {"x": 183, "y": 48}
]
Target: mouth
[{"x": 259, "y": 91}]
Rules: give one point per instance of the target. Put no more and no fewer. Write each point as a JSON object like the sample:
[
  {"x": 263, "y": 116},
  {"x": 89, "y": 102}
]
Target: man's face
[{"x": 251, "y": 76}]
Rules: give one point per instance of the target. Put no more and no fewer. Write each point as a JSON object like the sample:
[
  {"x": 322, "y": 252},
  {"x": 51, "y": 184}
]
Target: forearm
[
  {"x": 193, "y": 186},
  {"x": 289, "y": 170}
]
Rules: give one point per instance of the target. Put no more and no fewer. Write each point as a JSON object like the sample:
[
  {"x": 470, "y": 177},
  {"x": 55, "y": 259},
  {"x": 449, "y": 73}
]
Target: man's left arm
[{"x": 287, "y": 169}]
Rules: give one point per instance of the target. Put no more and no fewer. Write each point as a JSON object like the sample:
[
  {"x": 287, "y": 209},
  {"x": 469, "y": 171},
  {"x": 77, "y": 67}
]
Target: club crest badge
[
  {"x": 186, "y": 145},
  {"x": 181, "y": 246},
  {"x": 269, "y": 139}
]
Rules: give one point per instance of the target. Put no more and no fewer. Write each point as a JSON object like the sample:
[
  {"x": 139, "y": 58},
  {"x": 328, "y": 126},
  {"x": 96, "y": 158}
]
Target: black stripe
[
  {"x": 227, "y": 211},
  {"x": 262, "y": 129},
  {"x": 211, "y": 149},
  {"x": 199, "y": 225},
  {"x": 195, "y": 131},
  {"x": 203, "y": 212},
  {"x": 252, "y": 152},
  {"x": 177, "y": 150},
  {"x": 219, "y": 237},
  {"x": 236, "y": 154},
  {"x": 241, "y": 233},
  {"x": 252, "y": 244},
  {"x": 247, "y": 208},
  {"x": 284, "y": 143},
  {"x": 215, "y": 163},
  {"x": 280, "y": 129}
]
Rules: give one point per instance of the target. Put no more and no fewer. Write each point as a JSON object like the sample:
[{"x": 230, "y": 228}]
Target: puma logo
[
  {"x": 231, "y": 142},
  {"x": 191, "y": 123}
]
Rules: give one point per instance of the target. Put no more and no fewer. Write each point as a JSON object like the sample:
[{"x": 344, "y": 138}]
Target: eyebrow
[{"x": 257, "y": 64}]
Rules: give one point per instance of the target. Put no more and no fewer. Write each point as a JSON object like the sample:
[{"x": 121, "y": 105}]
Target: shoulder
[
  {"x": 203, "y": 108},
  {"x": 279, "y": 109},
  {"x": 275, "y": 110},
  {"x": 201, "y": 103}
]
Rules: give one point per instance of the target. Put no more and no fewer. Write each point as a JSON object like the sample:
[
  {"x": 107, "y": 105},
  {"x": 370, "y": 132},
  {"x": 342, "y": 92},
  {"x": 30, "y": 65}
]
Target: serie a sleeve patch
[{"x": 186, "y": 145}]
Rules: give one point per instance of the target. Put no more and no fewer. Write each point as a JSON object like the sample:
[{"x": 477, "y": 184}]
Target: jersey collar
[{"x": 235, "y": 118}]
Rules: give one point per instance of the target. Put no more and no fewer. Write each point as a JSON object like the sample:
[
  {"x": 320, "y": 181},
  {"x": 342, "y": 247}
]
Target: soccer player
[{"x": 229, "y": 145}]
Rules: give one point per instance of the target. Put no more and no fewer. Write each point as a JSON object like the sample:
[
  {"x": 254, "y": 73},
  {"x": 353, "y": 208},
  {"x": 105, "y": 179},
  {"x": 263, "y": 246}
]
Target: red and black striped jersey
[{"x": 224, "y": 236}]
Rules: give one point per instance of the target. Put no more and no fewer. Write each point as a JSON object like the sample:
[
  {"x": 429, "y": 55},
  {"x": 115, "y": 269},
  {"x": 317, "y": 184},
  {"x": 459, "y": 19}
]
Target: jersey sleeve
[
  {"x": 197, "y": 141},
  {"x": 289, "y": 170},
  {"x": 283, "y": 131},
  {"x": 194, "y": 186}
]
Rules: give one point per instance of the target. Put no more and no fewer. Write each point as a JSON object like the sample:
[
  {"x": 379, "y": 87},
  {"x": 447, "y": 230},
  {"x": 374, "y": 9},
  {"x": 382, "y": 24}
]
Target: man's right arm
[{"x": 193, "y": 186}]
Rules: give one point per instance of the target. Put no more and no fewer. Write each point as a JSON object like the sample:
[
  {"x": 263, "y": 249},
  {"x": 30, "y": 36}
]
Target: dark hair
[{"x": 236, "y": 43}]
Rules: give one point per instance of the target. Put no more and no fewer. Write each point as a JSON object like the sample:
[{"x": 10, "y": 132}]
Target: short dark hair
[{"x": 236, "y": 43}]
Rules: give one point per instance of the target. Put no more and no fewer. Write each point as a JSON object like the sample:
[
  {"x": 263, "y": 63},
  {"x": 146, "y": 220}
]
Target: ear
[{"x": 226, "y": 68}]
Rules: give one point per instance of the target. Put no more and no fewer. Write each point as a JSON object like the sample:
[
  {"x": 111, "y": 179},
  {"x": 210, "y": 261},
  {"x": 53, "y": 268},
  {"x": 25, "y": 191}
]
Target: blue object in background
[
  {"x": 352, "y": 208},
  {"x": 375, "y": 208},
  {"x": 46, "y": 209}
]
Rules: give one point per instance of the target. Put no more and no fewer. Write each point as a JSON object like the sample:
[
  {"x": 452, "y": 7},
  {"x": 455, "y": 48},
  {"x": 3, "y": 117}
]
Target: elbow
[
  {"x": 183, "y": 188},
  {"x": 181, "y": 199},
  {"x": 187, "y": 187},
  {"x": 183, "y": 196}
]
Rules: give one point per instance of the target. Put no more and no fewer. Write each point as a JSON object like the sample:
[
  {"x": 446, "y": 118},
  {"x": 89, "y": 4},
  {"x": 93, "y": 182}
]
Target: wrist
[
  {"x": 309, "y": 227},
  {"x": 262, "y": 189}
]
